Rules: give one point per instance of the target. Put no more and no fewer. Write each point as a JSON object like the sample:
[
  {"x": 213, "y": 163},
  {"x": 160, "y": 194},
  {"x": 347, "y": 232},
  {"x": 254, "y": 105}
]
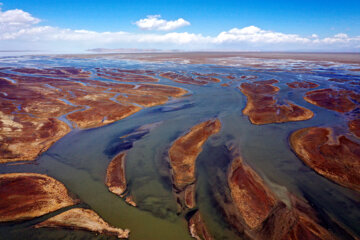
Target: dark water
[{"x": 80, "y": 159}]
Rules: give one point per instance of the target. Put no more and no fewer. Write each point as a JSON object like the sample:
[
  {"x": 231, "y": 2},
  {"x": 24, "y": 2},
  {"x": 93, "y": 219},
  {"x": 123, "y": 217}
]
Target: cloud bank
[
  {"x": 16, "y": 17},
  {"x": 154, "y": 22},
  {"x": 20, "y": 30}
]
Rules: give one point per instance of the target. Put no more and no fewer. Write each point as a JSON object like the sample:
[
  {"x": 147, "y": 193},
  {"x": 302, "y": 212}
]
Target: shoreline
[{"x": 203, "y": 57}]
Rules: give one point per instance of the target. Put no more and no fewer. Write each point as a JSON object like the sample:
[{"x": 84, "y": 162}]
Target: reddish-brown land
[
  {"x": 337, "y": 159},
  {"x": 176, "y": 77},
  {"x": 143, "y": 100},
  {"x": 200, "y": 79},
  {"x": 182, "y": 155},
  {"x": 137, "y": 71},
  {"x": 83, "y": 219},
  {"x": 252, "y": 199},
  {"x": 101, "y": 113},
  {"x": 160, "y": 90},
  {"x": 115, "y": 175},
  {"x": 103, "y": 110},
  {"x": 56, "y": 72},
  {"x": 31, "y": 106},
  {"x": 184, "y": 151},
  {"x": 342, "y": 101},
  {"x": 303, "y": 84},
  {"x": 354, "y": 126},
  {"x": 306, "y": 225},
  {"x": 336, "y": 100},
  {"x": 189, "y": 196},
  {"x": 231, "y": 77},
  {"x": 254, "y": 210},
  {"x": 209, "y": 77},
  {"x": 198, "y": 228},
  {"x": 24, "y": 137},
  {"x": 263, "y": 108},
  {"x": 28, "y": 124},
  {"x": 28, "y": 195},
  {"x": 126, "y": 75}
]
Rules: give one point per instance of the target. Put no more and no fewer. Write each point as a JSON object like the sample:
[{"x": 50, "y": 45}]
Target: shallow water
[{"x": 80, "y": 159}]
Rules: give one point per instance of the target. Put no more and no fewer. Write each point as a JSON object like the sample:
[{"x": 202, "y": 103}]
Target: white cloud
[
  {"x": 341, "y": 35},
  {"x": 13, "y": 21},
  {"x": 154, "y": 22},
  {"x": 341, "y": 38},
  {"x": 256, "y": 35},
  {"x": 20, "y": 30},
  {"x": 17, "y": 17}
]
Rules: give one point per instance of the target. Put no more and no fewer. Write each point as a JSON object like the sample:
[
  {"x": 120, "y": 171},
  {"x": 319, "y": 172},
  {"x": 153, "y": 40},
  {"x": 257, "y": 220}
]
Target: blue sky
[{"x": 204, "y": 21}]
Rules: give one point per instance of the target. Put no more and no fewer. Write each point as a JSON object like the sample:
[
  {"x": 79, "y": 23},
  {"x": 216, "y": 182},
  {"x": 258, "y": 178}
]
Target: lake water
[{"x": 80, "y": 159}]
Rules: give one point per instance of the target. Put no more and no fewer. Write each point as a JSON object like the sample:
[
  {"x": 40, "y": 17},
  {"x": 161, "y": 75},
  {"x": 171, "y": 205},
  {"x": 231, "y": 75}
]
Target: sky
[{"x": 253, "y": 25}]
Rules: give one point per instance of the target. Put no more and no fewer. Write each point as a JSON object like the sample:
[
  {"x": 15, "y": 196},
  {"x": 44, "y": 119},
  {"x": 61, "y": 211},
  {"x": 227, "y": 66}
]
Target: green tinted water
[{"x": 80, "y": 159}]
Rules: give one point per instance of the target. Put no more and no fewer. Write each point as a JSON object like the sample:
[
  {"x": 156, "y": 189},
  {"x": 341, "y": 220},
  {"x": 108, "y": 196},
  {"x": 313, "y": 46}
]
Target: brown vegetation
[
  {"x": 262, "y": 107},
  {"x": 336, "y": 100},
  {"x": 31, "y": 104},
  {"x": 252, "y": 199},
  {"x": 303, "y": 84},
  {"x": 183, "y": 154},
  {"x": 200, "y": 79},
  {"x": 28, "y": 195},
  {"x": 56, "y": 72},
  {"x": 198, "y": 228},
  {"x": 184, "y": 151},
  {"x": 335, "y": 158},
  {"x": 115, "y": 175},
  {"x": 83, "y": 219},
  {"x": 354, "y": 126},
  {"x": 253, "y": 209},
  {"x": 126, "y": 75}
]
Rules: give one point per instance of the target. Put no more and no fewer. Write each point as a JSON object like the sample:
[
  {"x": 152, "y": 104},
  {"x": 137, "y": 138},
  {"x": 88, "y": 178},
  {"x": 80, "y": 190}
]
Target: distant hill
[{"x": 122, "y": 50}]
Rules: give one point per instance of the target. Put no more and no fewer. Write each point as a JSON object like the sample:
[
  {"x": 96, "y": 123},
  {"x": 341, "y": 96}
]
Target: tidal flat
[{"x": 180, "y": 146}]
